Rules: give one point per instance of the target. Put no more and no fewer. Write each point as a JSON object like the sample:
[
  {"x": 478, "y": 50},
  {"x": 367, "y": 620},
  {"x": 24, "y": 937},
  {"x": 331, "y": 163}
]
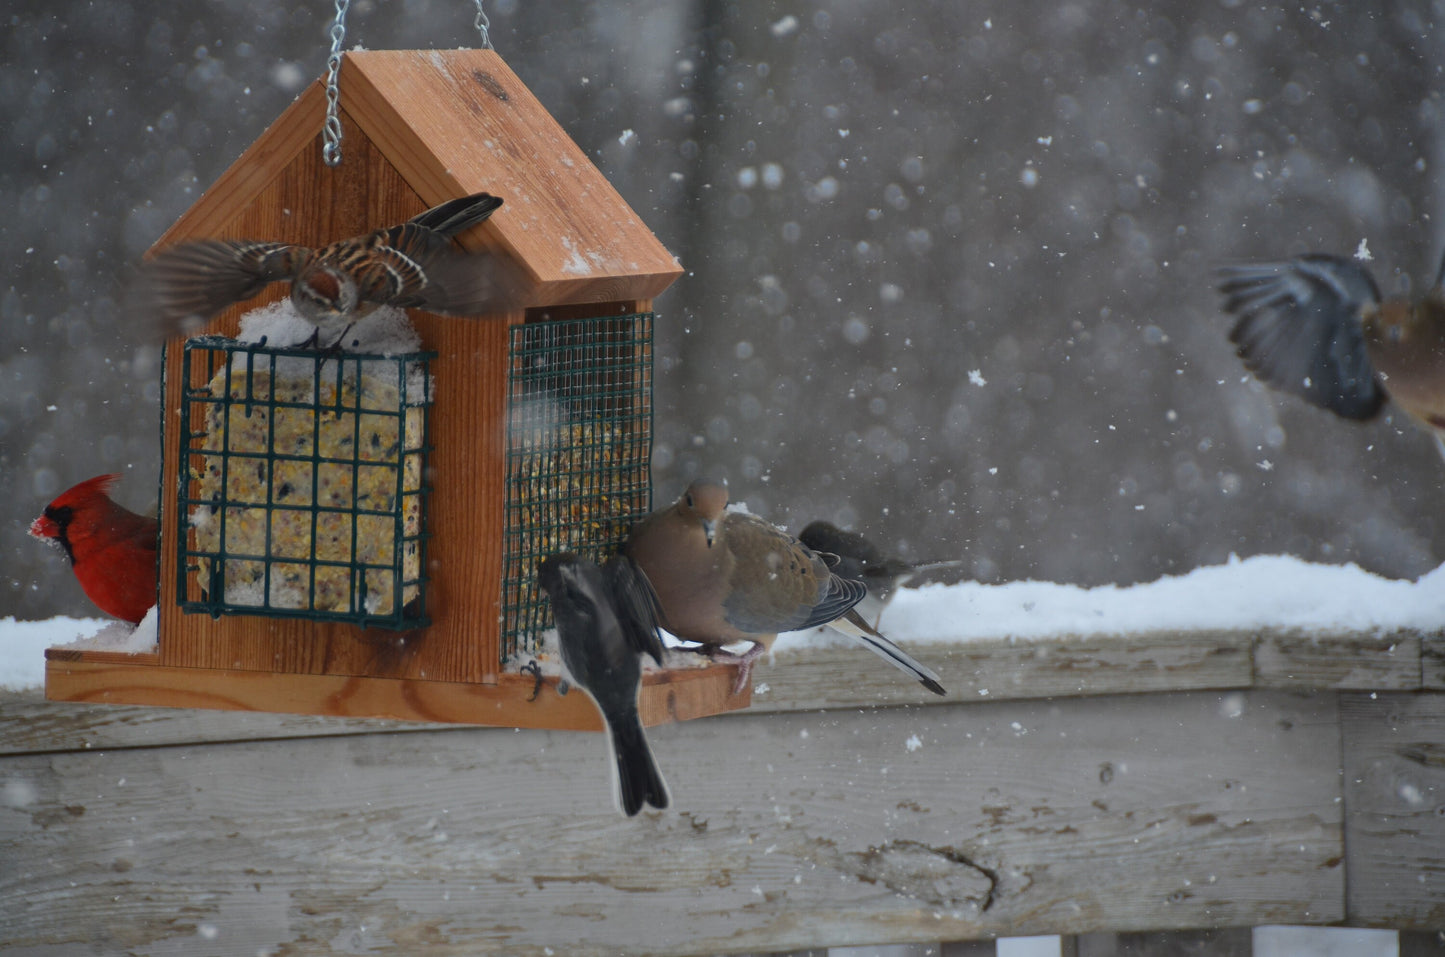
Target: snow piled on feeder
[{"x": 307, "y": 468}]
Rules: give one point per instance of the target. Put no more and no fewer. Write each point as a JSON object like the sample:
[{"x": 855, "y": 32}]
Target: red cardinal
[{"x": 112, "y": 549}]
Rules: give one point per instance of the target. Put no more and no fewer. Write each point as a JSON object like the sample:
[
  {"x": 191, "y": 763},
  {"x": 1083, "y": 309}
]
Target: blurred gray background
[{"x": 949, "y": 264}]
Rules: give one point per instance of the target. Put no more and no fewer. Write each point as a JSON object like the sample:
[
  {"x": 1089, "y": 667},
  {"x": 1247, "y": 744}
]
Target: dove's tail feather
[{"x": 854, "y": 626}]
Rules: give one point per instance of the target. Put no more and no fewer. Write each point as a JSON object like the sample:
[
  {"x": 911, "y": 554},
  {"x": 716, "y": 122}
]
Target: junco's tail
[{"x": 639, "y": 781}]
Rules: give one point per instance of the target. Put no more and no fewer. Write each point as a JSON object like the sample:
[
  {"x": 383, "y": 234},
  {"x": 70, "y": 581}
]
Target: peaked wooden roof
[{"x": 424, "y": 126}]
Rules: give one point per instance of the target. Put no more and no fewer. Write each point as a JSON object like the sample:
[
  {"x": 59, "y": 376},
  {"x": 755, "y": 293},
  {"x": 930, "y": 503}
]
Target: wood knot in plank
[
  {"x": 489, "y": 83},
  {"x": 938, "y": 876}
]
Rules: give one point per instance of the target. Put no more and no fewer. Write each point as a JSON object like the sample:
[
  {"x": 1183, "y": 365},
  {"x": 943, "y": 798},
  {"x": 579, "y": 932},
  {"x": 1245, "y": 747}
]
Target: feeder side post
[{"x": 467, "y": 473}]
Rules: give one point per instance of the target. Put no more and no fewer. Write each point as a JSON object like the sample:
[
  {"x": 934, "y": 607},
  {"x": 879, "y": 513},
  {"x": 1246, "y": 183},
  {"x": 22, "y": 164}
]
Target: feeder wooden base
[{"x": 107, "y": 677}]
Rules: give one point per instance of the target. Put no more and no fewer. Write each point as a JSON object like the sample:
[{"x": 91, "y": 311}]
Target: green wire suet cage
[
  {"x": 304, "y": 490},
  {"x": 579, "y": 448}
]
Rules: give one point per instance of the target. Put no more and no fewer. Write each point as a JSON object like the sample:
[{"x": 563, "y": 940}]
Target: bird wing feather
[
  {"x": 1299, "y": 329},
  {"x": 636, "y": 604},
  {"x": 184, "y": 286},
  {"x": 778, "y": 583}
]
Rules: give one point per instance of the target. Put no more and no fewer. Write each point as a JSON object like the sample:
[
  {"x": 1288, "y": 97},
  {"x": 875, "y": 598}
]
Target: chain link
[
  {"x": 484, "y": 27},
  {"x": 331, "y": 132}
]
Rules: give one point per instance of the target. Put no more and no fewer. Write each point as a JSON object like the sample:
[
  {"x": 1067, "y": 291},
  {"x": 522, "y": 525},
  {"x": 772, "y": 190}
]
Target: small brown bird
[
  {"x": 112, "y": 550},
  {"x": 413, "y": 265},
  {"x": 1315, "y": 327},
  {"x": 723, "y": 577},
  {"x": 861, "y": 560},
  {"x": 606, "y": 621}
]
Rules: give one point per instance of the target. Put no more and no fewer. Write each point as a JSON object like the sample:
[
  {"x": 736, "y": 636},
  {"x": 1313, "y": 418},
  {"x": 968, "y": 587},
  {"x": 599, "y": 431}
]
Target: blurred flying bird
[
  {"x": 723, "y": 577},
  {"x": 112, "y": 550},
  {"x": 861, "y": 560},
  {"x": 606, "y": 620},
  {"x": 1315, "y": 327},
  {"x": 414, "y": 265}
]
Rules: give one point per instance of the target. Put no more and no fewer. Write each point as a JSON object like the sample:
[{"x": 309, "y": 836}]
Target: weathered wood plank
[
  {"x": 839, "y": 676},
  {"x": 1290, "y": 659},
  {"x": 1394, "y": 754},
  {"x": 1432, "y": 661},
  {"x": 29, "y": 724},
  {"x": 788, "y": 831},
  {"x": 847, "y": 675}
]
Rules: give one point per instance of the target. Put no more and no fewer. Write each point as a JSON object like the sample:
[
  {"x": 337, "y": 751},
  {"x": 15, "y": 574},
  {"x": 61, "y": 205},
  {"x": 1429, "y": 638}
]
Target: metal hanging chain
[
  {"x": 484, "y": 27},
  {"x": 331, "y": 132}
]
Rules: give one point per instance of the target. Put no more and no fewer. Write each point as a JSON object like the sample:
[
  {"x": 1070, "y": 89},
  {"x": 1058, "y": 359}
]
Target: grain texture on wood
[
  {"x": 787, "y": 831},
  {"x": 1432, "y": 661},
  {"x": 459, "y": 121},
  {"x": 216, "y": 212},
  {"x": 1390, "y": 662},
  {"x": 513, "y": 700},
  {"x": 31, "y": 723},
  {"x": 844, "y": 673},
  {"x": 836, "y": 676},
  {"x": 1394, "y": 772},
  {"x": 468, "y": 478}
]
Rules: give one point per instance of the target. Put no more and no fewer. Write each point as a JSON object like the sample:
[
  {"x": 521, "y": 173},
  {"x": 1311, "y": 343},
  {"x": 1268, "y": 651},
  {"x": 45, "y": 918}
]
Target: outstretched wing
[
  {"x": 184, "y": 286},
  {"x": 1299, "y": 329},
  {"x": 415, "y": 265}
]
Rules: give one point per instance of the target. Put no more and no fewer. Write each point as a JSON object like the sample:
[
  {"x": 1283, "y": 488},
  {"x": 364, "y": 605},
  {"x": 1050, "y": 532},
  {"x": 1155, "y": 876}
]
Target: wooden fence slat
[
  {"x": 29, "y": 724},
  {"x": 789, "y": 831},
  {"x": 1394, "y": 772},
  {"x": 1432, "y": 661},
  {"x": 844, "y": 674}
]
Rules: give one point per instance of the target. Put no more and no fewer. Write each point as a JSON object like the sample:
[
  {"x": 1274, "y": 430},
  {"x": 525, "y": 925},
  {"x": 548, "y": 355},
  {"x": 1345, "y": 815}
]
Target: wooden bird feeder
[{"x": 537, "y": 430}]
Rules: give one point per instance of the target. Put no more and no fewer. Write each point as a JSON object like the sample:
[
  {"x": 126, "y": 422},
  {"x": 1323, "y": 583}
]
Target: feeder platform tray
[{"x": 110, "y": 677}]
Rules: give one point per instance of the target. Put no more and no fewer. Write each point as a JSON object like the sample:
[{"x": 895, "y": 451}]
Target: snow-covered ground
[{"x": 1252, "y": 593}]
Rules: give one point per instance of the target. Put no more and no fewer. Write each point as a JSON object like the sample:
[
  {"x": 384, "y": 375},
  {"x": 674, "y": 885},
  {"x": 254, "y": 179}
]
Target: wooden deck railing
[{"x": 1071, "y": 786}]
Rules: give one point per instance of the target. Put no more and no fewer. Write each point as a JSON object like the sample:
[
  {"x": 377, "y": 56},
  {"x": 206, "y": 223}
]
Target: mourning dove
[
  {"x": 861, "y": 560},
  {"x": 724, "y": 577},
  {"x": 606, "y": 620},
  {"x": 1315, "y": 327}
]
